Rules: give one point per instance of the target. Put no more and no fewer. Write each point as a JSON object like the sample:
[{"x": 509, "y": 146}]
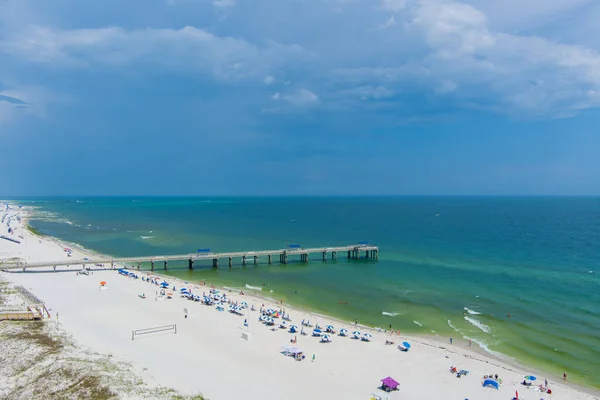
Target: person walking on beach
[
  {"x": 450, "y": 340},
  {"x": 565, "y": 376},
  {"x": 470, "y": 341},
  {"x": 313, "y": 358},
  {"x": 545, "y": 382}
]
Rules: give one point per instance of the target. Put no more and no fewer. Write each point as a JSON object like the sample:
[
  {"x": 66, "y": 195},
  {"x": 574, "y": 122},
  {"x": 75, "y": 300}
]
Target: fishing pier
[{"x": 354, "y": 252}]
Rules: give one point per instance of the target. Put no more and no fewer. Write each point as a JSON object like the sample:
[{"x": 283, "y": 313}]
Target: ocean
[{"x": 448, "y": 266}]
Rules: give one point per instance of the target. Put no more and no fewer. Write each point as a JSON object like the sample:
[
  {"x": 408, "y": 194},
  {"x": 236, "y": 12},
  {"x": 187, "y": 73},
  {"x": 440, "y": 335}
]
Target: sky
[{"x": 299, "y": 97}]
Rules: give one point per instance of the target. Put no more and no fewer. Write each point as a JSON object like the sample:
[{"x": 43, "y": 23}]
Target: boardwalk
[{"x": 254, "y": 257}]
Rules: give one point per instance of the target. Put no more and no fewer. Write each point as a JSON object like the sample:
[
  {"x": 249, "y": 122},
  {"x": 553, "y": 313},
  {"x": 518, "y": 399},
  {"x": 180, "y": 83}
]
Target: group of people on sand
[
  {"x": 542, "y": 388},
  {"x": 495, "y": 377}
]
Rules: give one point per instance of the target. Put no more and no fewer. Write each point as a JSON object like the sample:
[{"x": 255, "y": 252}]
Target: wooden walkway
[{"x": 353, "y": 252}]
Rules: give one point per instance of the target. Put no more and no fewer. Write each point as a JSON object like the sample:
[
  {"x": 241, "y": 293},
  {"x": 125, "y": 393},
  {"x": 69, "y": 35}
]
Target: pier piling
[
  {"x": 255, "y": 260},
  {"x": 244, "y": 260},
  {"x": 152, "y": 265},
  {"x": 215, "y": 263},
  {"x": 165, "y": 265},
  {"x": 230, "y": 261},
  {"x": 269, "y": 259},
  {"x": 191, "y": 264}
]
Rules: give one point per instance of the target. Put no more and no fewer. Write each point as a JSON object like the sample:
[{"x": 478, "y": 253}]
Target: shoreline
[{"x": 435, "y": 342}]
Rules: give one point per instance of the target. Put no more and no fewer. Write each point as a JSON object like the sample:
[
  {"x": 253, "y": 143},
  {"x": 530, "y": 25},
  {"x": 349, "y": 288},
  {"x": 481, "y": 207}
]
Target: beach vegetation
[
  {"x": 33, "y": 230},
  {"x": 47, "y": 364}
]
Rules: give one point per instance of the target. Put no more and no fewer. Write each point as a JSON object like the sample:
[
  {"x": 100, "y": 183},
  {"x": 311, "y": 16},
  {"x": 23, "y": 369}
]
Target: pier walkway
[{"x": 354, "y": 252}]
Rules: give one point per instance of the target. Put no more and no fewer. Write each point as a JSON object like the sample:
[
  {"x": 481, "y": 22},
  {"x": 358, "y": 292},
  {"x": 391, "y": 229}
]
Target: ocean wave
[
  {"x": 253, "y": 287},
  {"x": 479, "y": 324},
  {"x": 389, "y": 314},
  {"x": 484, "y": 346},
  {"x": 471, "y": 311},
  {"x": 453, "y": 327},
  {"x": 146, "y": 237},
  {"x": 418, "y": 323}
]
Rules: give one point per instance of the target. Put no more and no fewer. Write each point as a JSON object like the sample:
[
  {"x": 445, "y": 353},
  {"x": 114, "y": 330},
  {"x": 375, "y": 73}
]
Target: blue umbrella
[
  {"x": 406, "y": 344},
  {"x": 316, "y": 330},
  {"x": 530, "y": 378}
]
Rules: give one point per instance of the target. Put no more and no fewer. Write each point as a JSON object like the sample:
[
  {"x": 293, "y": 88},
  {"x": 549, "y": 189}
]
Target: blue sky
[{"x": 299, "y": 97}]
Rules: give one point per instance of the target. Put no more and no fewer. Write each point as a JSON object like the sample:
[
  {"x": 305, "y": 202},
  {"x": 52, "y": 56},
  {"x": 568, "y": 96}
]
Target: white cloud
[
  {"x": 453, "y": 29},
  {"x": 299, "y": 98},
  {"x": 391, "y": 21},
  {"x": 187, "y": 49},
  {"x": 368, "y": 92},
  {"x": 474, "y": 50},
  {"x": 446, "y": 86},
  {"x": 223, "y": 3}
]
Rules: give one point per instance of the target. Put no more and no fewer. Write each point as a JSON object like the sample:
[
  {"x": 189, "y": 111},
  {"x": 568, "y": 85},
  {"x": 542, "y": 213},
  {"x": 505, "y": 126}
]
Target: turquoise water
[{"x": 535, "y": 258}]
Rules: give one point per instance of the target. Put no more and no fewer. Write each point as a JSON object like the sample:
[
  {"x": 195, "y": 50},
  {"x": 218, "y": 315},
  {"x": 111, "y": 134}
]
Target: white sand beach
[{"x": 207, "y": 355}]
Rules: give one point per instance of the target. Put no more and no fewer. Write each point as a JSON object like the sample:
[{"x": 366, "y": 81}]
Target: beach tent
[
  {"x": 389, "y": 384},
  {"x": 491, "y": 383},
  {"x": 291, "y": 350}
]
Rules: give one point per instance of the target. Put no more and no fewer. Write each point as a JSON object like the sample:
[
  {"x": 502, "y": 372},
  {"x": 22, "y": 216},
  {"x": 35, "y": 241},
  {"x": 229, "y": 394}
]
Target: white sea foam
[
  {"x": 389, "y": 314},
  {"x": 253, "y": 287},
  {"x": 471, "y": 311},
  {"x": 484, "y": 346},
  {"x": 478, "y": 324},
  {"x": 418, "y": 323},
  {"x": 452, "y": 326},
  {"x": 146, "y": 237}
]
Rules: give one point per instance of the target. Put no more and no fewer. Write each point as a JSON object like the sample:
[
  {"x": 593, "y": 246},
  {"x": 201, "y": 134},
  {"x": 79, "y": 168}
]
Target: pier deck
[{"x": 354, "y": 252}]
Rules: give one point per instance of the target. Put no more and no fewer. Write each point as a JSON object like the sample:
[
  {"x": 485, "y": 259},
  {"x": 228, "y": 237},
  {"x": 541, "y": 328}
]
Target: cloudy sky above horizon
[{"x": 308, "y": 97}]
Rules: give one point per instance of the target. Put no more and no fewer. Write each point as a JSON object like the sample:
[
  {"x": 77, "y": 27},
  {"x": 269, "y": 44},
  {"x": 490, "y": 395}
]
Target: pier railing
[{"x": 355, "y": 252}]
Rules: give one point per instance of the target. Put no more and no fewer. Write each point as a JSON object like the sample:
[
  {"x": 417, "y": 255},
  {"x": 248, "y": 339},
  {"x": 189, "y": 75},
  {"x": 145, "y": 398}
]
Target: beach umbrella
[
  {"x": 293, "y": 328},
  {"x": 356, "y": 333},
  {"x": 530, "y": 378},
  {"x": 326, "y": 337},
  {"x": 406, "y": 344},
  {"x": 343, "y": 331},
  {"x": 368, "y": 335},
  {"x": 317, "y": 330},
  {"x": 329, "y": 327},
  {"x": 102, "y": 283}
]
